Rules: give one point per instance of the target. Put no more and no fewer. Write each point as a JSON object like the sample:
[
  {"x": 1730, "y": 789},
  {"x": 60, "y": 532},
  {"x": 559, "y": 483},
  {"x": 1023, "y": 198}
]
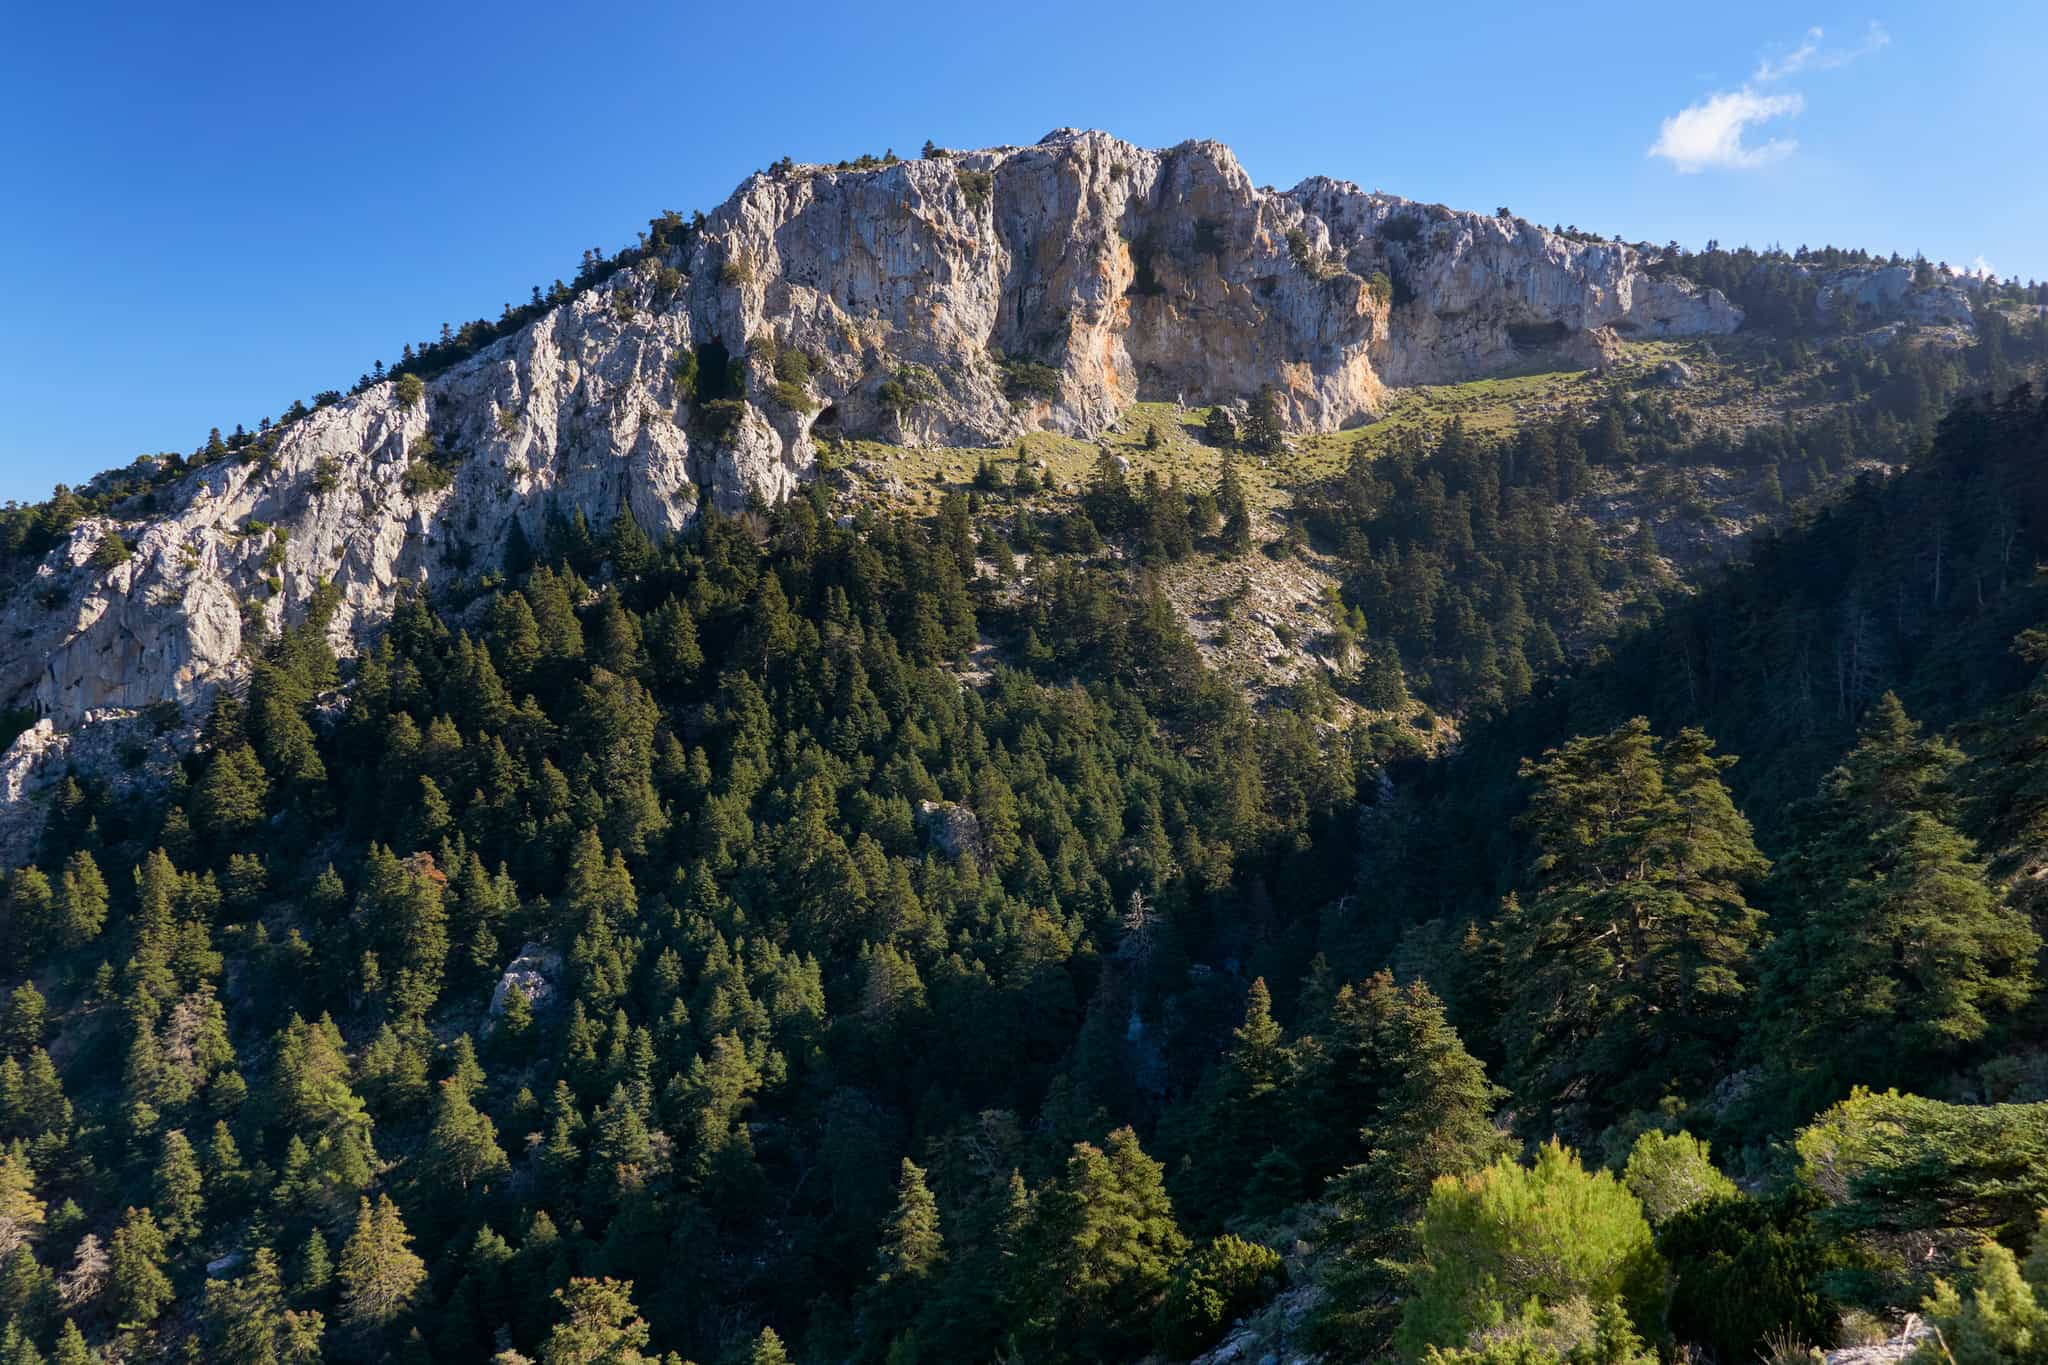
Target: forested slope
[{"x": 919, "y": 954}]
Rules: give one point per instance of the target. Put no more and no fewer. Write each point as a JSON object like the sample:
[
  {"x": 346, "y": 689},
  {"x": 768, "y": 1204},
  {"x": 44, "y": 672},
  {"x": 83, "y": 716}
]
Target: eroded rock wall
[{"x": 1119, "y": 272}]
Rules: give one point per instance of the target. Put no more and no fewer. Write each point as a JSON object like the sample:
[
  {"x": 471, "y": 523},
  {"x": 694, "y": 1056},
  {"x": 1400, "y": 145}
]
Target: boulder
[
  {"x": 535, "y": 971},
  {"x": 950, "y": 827}
]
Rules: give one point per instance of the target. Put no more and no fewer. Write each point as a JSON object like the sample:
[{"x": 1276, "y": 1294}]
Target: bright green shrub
[
  {"x": 2004, "y": 1321},
  {"x": 1671, "y": 1172},
  {"x": 977, "y": 186},
  {"x": 1026, "y": 381},
  {"x": 1510, "y": 1236},
  {"x": 1574, "y": 1333}
]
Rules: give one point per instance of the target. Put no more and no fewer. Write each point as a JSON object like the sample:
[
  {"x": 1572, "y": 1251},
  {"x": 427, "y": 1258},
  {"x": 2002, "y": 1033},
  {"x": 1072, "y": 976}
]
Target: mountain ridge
[{"x": 962, "y": 297}]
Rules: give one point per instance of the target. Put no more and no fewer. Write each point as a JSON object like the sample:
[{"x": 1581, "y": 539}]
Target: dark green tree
[
  {"x": 1631, "y": 960},
  {"x": 1099, "y": 1251},
  {"x": 1894, "y": 953},
  {"x": 910, "y": 1256}
]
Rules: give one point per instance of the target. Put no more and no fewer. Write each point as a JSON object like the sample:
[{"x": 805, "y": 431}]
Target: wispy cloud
[
  {"x": 1710, "y": 135},
  {"x": 1713, "y": 133},
  {"x": 1813, "y": 54}
]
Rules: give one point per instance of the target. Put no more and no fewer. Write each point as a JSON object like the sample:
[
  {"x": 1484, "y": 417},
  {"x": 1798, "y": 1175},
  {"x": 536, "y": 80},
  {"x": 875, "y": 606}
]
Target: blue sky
[{"x": 213, "y": 210}]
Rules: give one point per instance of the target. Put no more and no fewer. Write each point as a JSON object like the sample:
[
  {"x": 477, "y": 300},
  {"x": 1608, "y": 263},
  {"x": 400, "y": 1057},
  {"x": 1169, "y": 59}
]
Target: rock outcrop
[
  {"x": 956, "y": 299},
  {"x": 535, "y": 972},
  {"x": 1896, "y": 293}
]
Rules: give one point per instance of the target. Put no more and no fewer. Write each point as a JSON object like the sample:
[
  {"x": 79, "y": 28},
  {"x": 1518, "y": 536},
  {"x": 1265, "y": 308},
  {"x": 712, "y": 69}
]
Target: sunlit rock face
[{"x": 959, "y": 299}]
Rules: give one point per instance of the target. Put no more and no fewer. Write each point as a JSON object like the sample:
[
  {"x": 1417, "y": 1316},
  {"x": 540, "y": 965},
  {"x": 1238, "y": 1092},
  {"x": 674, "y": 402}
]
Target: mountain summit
[{"x": 959, "y": 299}]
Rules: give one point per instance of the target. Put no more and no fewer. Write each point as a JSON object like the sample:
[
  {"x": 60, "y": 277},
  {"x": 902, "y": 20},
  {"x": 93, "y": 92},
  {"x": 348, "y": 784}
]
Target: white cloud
[
  {"x": 1712, "y": 133},
  {"x": 1981, "y": 268},
  {"x": 1813, "y": 55},
  {"x": 1709, "y": 135}
]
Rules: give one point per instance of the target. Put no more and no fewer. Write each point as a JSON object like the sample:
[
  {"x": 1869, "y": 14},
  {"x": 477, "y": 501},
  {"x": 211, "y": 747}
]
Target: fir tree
[
  {"x": 180, "y": 1200},
  {"x": 911, "y": 1254},
  {"x": 1235, "y": 505},
  {"x": 136, "y": 1267},
  {"x": 1434, "y": 1119},
  {"x": 1243, "y": 1110},
  {"x": 1101, "y": 1246},
  {"x": 767, "y": 1349},
  {"x": 600, "y": 1326},
  {"x": 23, "y": 1024},
  {"x": 82, "y": 894},
  {"x": 1631, "y": 960},
  {"x": 379, "y": 1274},
  {"x": 71, "y": 1348},
  {"x": 462, "y": 1146},
  {"x": 1265, "y": 431},
  {"x": 1894, "y": 952}
]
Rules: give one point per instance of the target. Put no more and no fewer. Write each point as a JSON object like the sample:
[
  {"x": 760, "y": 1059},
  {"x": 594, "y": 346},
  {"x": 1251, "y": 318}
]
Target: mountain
[
  {"x": 1043, "y": 754},
  {"x": 958, "y": 299}
]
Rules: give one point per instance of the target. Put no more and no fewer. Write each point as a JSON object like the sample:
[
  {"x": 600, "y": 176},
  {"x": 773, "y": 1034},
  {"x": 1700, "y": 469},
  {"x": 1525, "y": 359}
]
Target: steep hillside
[{"x": 1011, "y": 757}]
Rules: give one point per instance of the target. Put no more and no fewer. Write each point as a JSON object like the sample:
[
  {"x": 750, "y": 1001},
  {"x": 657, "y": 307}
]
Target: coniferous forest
[{"x": 874, "y": 1001}]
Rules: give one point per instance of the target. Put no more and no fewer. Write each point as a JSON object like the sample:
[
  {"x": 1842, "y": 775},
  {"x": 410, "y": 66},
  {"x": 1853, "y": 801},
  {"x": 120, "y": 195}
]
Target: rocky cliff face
[{"x": 938, "y": 302}]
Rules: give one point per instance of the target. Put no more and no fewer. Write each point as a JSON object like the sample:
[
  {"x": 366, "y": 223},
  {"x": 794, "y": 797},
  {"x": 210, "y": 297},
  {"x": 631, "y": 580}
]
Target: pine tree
[
  {"x": 1100, "y": 1248},
  {"x": 1630, "y": 961},
  {"x": 911, "y": 1254},
  {"x": 1511, "y": 1239},
  {"x": 380, "y": 1276},
  {"x": 179, "y": 1202},
  {"x": 1672, "y": 1172},
  {"x": 600, "y": 1326},
  {"x": 136, "y": 1264},
  {"x": 1894, "y": 951}
]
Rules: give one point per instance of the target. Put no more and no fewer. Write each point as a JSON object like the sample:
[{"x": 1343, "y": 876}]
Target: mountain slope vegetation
[{"x": 873, "y": 927}]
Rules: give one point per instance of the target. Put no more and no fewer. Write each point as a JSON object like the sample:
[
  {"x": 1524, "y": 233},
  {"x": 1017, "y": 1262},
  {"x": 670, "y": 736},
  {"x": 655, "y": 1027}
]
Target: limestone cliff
[{"x": 956, "y": 299}]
